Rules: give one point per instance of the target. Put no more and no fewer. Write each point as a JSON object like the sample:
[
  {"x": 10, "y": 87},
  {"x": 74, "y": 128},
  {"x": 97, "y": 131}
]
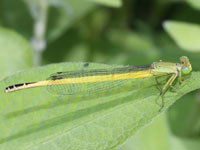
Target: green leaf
[
  {"x": 15, "y": 52},
  {"x": 186, "y": 35},
  {"x": 158, "y": 136},
  {"x": 112, "y": 3},
  {"x": 194, "y": 3},
  {"x": 37, "y": 119},
  {"x": 184, "y": 143},
  {"x": 155, "y": 136},
  {"x": 183, "y": 117}
]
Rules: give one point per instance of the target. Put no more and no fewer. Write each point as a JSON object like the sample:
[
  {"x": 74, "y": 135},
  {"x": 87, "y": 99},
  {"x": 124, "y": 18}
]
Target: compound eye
[{"x": 186, "y": 70}]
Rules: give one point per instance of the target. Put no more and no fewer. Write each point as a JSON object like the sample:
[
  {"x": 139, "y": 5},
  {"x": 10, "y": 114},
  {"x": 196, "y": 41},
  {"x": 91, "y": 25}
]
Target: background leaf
[
  {"x": 157, "y": 135},
  {"x": 194, "y": 3},
  {"x": 39, "y": 120},
  {"x": 186, "y": 35},
  {"x": 147, "y": 135},
  {"x": 113, "y": 3},
  {"x": 15, "y": 52}
]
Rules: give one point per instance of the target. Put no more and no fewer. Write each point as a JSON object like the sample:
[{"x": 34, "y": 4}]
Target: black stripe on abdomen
[
  {"x": 17, "y": 85},
  {"x": 29, "y": 83},
  {"x": 11, "y": 87}
]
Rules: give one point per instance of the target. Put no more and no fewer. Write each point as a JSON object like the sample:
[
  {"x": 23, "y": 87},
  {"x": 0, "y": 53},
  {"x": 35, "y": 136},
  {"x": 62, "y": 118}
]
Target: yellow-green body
[
  {"x": 74, "y": 80},
  {"x": 160, "y": 69}
]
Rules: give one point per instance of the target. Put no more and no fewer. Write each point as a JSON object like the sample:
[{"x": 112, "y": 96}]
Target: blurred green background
[{"x": 125, "y": 32}]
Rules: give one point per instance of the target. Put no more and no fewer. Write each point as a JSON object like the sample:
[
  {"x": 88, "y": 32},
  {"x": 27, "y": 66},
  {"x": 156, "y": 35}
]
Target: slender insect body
[
  {"x": 75, "y": 81},
  {"x": 17, "y": 87}
]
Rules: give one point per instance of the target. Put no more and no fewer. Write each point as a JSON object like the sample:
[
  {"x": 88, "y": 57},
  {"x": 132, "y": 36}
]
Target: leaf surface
[
  {"x": 186, "y": 35},
  {"x": 15, "y": 52},
  {"x": 36, "y": 119}
]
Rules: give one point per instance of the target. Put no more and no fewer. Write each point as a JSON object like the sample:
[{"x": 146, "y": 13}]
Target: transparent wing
[{"x": 88, "y": 87}]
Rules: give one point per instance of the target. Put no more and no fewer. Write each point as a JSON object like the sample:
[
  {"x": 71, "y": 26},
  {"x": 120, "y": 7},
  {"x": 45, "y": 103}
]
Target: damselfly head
[{"x": 186, "y": 66}]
